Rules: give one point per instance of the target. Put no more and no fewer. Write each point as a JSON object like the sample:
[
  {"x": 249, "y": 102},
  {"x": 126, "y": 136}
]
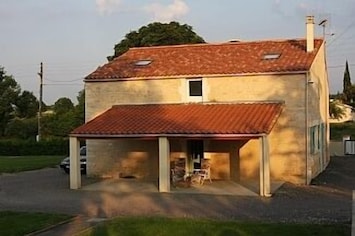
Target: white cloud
[
  {"x": 106, "y": 7},
  {"x": 175, "y": 10}
]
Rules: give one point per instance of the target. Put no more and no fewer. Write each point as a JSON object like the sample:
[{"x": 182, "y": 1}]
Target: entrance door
[{"x": 195, "y": 153}]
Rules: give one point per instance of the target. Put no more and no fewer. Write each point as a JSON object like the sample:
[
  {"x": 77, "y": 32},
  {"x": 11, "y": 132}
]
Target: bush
[
  {"x": 17, "y": 147},
  {"x": 337, "y": 131}
]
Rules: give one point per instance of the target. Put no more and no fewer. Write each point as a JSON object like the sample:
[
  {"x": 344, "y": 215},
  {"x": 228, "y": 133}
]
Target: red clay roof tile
[
  {"x": 183, "y": 119},
  {"x": 209, "y": 59}
]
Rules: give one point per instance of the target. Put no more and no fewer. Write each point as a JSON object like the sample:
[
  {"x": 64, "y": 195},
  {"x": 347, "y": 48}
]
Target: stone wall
[{"x": 288, "y": 140}]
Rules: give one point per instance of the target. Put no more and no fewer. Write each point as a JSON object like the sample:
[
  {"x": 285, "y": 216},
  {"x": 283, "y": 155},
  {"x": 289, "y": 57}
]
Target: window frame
[
  {"x": 194, "y": 98},
  {"x": 316, "y": 135}
]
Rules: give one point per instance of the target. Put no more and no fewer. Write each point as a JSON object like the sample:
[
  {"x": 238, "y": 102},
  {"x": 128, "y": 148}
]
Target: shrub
[{"x": 16, "y": 147}]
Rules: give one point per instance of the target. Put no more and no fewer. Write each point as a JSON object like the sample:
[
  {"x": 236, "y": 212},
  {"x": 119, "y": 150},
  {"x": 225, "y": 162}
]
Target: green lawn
[
  {"x": 24, "y": 163},
  {"x": 21, "y": 223},
  {"x": 172, "y": 227}
]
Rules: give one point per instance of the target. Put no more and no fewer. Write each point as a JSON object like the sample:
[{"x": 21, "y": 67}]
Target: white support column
[
  {"x": 164, "y": 165},
  {"x": 353, "y": 216},
  {"x": 265, "y": 186},
  {"x": 75, "y": 175}
]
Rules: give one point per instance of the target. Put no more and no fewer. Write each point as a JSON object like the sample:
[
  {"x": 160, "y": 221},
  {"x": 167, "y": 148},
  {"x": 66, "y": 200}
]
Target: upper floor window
[{"x": 195, "y": 90}]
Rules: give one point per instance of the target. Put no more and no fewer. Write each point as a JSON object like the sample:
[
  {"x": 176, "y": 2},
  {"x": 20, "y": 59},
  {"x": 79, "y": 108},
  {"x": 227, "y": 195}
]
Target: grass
[
  {"x": 175, "y": 227},
  {"x": 337, "y": 131},
  {"x": 24, "y": 163},
  {"x": 21, "y": 223}
]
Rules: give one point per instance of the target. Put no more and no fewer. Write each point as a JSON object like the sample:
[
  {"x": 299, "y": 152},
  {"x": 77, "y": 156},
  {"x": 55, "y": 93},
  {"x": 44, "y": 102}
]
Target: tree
[
  {"x": 63, "y": 105},
  {"x": 335, "y": 110},
  {"x": 66, "y": 117},
  {"x": 22, "y": 128},
  {"x": 347, "y": 86},
  {"x": 9, "y": 92},
  {"x": 157, "y": 34},
  {"x": 79, "y": 109},
  {"x": 26, "y": 105}
]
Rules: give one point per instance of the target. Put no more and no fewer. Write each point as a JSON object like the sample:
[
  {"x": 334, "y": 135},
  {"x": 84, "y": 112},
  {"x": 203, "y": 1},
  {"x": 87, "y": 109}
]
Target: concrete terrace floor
[
  {"x": 328, "y": 199},
  {"x": 216, "y": 187}
]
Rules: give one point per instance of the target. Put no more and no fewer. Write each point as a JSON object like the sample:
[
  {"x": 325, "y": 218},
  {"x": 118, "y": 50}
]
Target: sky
[{"x": 73, "y": 38}]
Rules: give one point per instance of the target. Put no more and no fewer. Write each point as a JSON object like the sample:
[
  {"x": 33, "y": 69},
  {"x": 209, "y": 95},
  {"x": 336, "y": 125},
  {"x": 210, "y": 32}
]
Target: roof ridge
[{"x": 221, "y": 43}]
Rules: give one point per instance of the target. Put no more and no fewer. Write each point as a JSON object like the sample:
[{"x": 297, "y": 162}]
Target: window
[
  {"x": 316, "y": 138},
  {"x": 142, "y": 62},
  {"x": 194, "y": 90},
  {"x": 195, "y": 87},
  {"x": 271, "y": 56}
]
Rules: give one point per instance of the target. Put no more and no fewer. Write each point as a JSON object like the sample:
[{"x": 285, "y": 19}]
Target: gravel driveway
[{"x": 328, "y": 199}]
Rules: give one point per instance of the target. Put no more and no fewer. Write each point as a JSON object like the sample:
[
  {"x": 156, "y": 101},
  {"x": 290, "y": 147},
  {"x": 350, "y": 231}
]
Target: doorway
[{"x": 195, "y": 152}]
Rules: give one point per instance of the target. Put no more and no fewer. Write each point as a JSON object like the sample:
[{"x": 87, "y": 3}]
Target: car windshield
[{"x": 83, "y": 151}]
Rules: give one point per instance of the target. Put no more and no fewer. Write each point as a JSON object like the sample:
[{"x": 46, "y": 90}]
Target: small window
[
  {"x": 142, "y": 62},
  {"x": 195, "y": 88},
  {"x": 271, "y": 56}
]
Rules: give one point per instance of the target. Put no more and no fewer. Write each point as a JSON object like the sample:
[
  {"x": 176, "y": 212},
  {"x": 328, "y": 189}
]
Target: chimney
[{"x": 310, "y": 33}]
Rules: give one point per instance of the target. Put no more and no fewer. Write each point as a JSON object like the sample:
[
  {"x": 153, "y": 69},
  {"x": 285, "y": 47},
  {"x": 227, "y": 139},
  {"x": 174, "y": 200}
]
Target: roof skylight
[
  {"x": 144, "y": 62},
  {"x": 271, "y": 56}
]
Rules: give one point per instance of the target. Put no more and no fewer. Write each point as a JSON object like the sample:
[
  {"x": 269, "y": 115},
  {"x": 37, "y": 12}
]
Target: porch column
[
  {"x": 234, "y": 162},
  {"x": 265, "y": 188},
  {"x": 164, "y": 165},
  {"x": 75, "y": 175}
]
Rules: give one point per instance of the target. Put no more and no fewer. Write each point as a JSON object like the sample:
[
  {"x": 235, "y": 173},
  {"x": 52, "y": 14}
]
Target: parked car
[{"x": 65, "y": 164}]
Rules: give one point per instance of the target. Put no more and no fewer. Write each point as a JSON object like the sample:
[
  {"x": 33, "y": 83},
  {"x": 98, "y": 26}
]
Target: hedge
[{"x": 30, "y": 147}]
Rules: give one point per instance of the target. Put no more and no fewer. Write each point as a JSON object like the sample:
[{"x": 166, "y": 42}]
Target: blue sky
[{"x": 72, "y": 38}]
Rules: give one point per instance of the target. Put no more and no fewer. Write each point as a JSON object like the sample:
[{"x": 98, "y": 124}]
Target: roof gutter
[
  {"x": 153, "y": 136},
  {"x": 113, "y": 79}
]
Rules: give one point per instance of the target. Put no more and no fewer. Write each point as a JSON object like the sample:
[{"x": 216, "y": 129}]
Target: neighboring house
[{"x": 257, "y": 110}]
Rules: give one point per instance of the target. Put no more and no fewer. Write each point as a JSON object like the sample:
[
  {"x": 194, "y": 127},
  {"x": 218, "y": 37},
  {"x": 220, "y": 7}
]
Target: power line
[
  {"x": 342, "y": 33},
  {"x": 338, "y": 66},
  {"x": 65, "y": 81},
  {"x": 62, "y": 84}
]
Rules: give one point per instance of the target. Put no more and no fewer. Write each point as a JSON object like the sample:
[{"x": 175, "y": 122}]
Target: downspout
[
  {"x": 307, "y": 125},
  {"x": 309, "y": 49}
]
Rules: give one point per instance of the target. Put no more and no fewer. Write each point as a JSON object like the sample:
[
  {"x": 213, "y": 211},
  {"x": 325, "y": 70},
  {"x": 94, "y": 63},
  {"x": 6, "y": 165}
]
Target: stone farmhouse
[{"x": 256, "y": 110}]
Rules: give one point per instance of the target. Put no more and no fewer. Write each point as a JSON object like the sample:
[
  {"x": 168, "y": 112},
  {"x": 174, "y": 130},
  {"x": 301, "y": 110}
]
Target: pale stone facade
[{"x": 297, "y": 152}]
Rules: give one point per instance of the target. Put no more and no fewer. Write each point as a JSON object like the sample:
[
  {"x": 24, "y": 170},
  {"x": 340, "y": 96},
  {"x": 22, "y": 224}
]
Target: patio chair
[
  {"x": 177, "y": 175},
  {"x": 205, "y": 172}
]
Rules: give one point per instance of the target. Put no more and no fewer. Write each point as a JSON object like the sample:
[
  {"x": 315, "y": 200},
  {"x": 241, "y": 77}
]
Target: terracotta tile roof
[
  {"x": 209, "y": 59},
  {"x": 183, "y": 120}
]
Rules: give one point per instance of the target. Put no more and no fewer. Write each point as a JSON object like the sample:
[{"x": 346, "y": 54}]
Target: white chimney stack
[{"x": 310, "y": 33}]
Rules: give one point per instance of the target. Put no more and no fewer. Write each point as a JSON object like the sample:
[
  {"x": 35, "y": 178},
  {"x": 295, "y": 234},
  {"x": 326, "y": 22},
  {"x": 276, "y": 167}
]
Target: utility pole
[{"x": 40, "y": 101}]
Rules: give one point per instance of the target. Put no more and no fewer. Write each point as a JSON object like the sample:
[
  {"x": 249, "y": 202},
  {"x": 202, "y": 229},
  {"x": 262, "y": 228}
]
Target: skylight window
[
  {"x": 142, "y": 62},
  {"x": 271, "y": 56}
]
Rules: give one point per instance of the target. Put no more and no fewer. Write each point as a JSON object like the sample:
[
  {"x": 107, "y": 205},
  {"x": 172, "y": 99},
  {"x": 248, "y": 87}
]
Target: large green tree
[
  {"x": 22, "y": 128},
  {"x": 9, "y": 92},
  {"x": 156, "y": 34},
  {"x": 26, "y": 105},
  {"x": 79, "y": 109},
  {"x": 65, "y": 118},
  {"x": 63, "y": 105}
]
